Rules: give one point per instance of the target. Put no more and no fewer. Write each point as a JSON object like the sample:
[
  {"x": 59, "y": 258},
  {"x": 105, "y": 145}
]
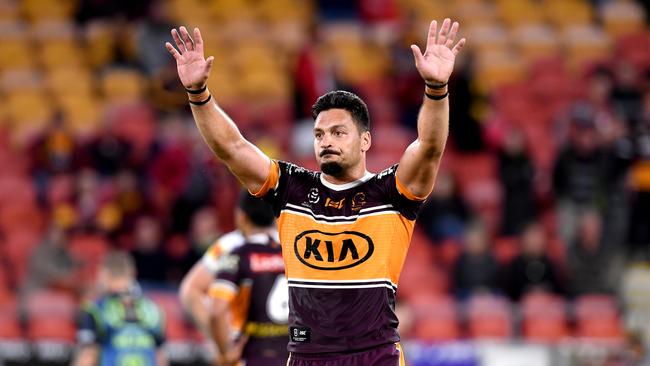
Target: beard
[{"x": 332, "y": 168}]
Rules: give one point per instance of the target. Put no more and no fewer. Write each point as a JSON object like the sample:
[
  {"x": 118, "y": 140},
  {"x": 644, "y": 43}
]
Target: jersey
[
  {"x": 343, "y": 247},
  {"x": 251, "y": 276},
  {"x": 128, "y": 330}
]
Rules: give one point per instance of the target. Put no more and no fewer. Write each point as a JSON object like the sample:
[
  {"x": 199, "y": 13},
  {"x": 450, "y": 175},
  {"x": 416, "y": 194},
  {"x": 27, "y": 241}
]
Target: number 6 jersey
[
  {"x": 251, "y": 276},
  {"x": 343, "y": 247}
]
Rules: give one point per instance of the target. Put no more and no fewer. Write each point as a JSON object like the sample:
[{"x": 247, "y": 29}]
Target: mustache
[{"x": 328, "y": 151}]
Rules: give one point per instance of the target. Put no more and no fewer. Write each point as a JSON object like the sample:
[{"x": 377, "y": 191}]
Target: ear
[{"x": 366, "y": 141}]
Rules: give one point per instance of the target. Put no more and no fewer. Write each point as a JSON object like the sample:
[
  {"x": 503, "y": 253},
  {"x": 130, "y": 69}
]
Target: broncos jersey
[
  {"x": 343, "y": 247},
  {"x": 251, "y": 277}
]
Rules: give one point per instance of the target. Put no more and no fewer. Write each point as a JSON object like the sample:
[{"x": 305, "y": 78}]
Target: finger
[
  {"x": 198, "y": 40},
  {"x": 417, "y": 54},
  {"x": 444, "y": 30},
  {"x": 458, "y": 46},
  {"x": 189, "y": 43},
  {"x": 173, "y": 51},
  {"x": 208, "y": 64},
  {"x": 451, "y": 38},
  {"x": 433, "y": 32},
  {"x": 178, "y": 41}
]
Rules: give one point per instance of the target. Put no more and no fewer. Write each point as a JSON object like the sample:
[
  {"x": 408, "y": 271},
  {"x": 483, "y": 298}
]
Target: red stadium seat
[
  {"x": 505, "y": 249},
  {"x": 436, "y": 318},
  {"x": 544, "y": 318},
  {"x": 89, "y": 250},
  {"x": 178, "y": 328},
  {"x": 51, "y": 316},
  {"x": 597, "y": 317},
  {"x": 489, "y": 316}
]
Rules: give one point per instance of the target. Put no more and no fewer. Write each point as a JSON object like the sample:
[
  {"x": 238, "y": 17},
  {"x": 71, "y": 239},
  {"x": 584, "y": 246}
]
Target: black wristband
[
  {"x": 197, "y": 91},
  {"x": 203, "y": 101},
  {"x": 436, "y": 86},
  {"x": 437, "y": 97}
]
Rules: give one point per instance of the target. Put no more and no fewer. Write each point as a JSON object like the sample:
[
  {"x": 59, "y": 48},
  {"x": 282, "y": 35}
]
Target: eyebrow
[{"x": 318, "y": 129}]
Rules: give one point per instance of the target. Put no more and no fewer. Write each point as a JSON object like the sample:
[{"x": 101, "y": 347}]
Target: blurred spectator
[
  {"x": 52, "y": 265},
  {"x": 152, "y": 33},
  {"x": 204, "y": 230},
  {"x": 639, "y": 237},
  {"x": 532, "y": 270},
  {"x": 589, "y": 262},
  {"x": 148, "y": 253},
  {"x": 626, "y": 94},
  {"x": 476, "y": 270},
  {"x": 108, "y": 153},
  {"x": 445, "y": 214},
  {"x": 579, "y": 172},
  {"x": 517, "y": 173},
  {"x": 312, "y": 76}
]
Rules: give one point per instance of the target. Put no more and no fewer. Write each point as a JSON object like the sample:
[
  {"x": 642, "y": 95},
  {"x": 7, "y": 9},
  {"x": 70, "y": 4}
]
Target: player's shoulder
[
  {"x": 227, "y": 243},
  {"x": 294, "y": 170},
  {"x": 385, "y": 174}
]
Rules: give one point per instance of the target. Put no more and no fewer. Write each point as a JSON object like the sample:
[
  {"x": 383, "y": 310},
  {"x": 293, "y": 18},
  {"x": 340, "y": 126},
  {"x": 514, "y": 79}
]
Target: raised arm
[
  {"x": 245, "y": 160},
  {"x": 419, "y": 164}
]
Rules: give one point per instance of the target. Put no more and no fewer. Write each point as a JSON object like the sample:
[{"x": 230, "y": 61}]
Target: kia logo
[{"x": 332, "y": 251}]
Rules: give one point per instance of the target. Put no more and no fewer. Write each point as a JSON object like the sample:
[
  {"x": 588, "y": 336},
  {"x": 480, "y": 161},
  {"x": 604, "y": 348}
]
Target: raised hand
[
  {"x": 193, "y": 68},
  {"x": 437, "y": 62}
]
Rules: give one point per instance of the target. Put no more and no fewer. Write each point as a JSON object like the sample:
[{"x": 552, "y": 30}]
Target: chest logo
[
  {"x": 358, "y": 201},
  {"x": 332, "y": 251},
  {"x": 313, "y": 196},
  {"x": 335, "y": 204}
]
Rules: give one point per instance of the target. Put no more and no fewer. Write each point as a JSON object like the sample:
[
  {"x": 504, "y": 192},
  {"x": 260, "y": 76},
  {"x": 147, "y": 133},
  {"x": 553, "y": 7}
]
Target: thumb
[
  {"x": 417, "y": 54},
  {"x": 208, "y": 64}
]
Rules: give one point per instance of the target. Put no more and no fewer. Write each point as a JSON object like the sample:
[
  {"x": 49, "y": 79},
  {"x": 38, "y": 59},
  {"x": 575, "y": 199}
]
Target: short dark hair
[
  {"x": 258, "y": 211},
  {"x": 118, "y": 263},
  {"x": 341, "y": 99}
]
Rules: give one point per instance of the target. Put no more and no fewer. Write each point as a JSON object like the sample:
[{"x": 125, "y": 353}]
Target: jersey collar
[{"x": 344, "y": 186}]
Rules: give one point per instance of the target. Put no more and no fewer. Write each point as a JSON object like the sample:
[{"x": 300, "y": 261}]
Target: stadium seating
[
  {"x": 597, "y": 317},
  {"x": 544, "y": 318},
  {"x": 489, "y": 317}
]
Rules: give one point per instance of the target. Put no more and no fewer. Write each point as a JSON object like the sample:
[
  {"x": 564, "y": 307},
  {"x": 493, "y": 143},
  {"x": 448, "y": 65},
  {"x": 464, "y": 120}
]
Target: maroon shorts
[
  {"x": 386, "y": 355},
  {"x": 264, "y": 361}
]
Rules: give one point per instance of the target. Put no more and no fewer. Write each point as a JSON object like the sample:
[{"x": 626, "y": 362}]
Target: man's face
[{"x": 338, "y": 143}]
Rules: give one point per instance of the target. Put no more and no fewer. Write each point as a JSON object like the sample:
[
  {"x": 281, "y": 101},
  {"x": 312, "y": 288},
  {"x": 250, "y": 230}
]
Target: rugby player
[
  {"x": 344, "y": 231},
  {"x": 242, "y": 274}
]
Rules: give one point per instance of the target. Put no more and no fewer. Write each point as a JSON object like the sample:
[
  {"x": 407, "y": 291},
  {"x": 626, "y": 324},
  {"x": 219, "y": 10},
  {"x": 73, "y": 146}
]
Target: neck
[{"x": 349, "y": 175}]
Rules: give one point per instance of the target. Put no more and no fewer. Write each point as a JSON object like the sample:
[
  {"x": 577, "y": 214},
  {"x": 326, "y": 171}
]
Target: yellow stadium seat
[
  {"x": 189, "y": 12},
  {"x": 16, "y": 53},
  {"x": 100, "y": 43},
  {"x": 622, "y": 17},
  {"x": 62, "y": 54},
  {"x": 81, "y": 114},
  {"x": 586, "y": 44},
  {"x": 536, "y": 41},
  {"x": 518, "y": 12},
  {"x": 488, "y": 37},
  {"x": 232, "y": 10},
  {"x": 28, "y": 113},
  {"x": 495, "y": 68},
  {"x": 475, "y": 13},
  {"x": 568, "y": 12},
  {"x": 286, "y": 11},
  {"x": 63, "y": 82},
  {"x": 122, "y": 85},
  {"x": 47, "y": 10}
]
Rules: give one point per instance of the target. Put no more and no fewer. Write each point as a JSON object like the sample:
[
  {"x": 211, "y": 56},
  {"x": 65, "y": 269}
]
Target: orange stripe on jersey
[
  {"x": 402, "y": 360},
  {"x": 271, "y": 181},
  {"x": 370, "y": 248},
  {"x": 401, "y": 188},
  {"x": 239, "y": 307}
]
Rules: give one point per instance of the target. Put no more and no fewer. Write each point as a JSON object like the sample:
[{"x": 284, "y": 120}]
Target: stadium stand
[{"x": 78, "y": 97}]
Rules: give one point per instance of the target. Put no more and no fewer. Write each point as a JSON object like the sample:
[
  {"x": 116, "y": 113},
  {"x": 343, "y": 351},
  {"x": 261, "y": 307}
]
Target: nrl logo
[{"x": 313, "y": 196}]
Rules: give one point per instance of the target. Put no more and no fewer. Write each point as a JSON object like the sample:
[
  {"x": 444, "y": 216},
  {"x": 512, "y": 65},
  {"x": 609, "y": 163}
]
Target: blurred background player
[
  {"x": 121, "y": 328},
  {"x": 249, "y": 260}
]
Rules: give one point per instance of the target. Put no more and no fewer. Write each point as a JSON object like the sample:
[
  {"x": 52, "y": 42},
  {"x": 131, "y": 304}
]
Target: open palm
[
  {"x": 437, "y": 62},
  {"x": 193, "y": 68}
]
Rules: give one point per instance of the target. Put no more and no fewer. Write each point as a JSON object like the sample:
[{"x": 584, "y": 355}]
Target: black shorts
[
  {"x": 264, "y": 361},
  {"x": 386, "y": 355}
]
